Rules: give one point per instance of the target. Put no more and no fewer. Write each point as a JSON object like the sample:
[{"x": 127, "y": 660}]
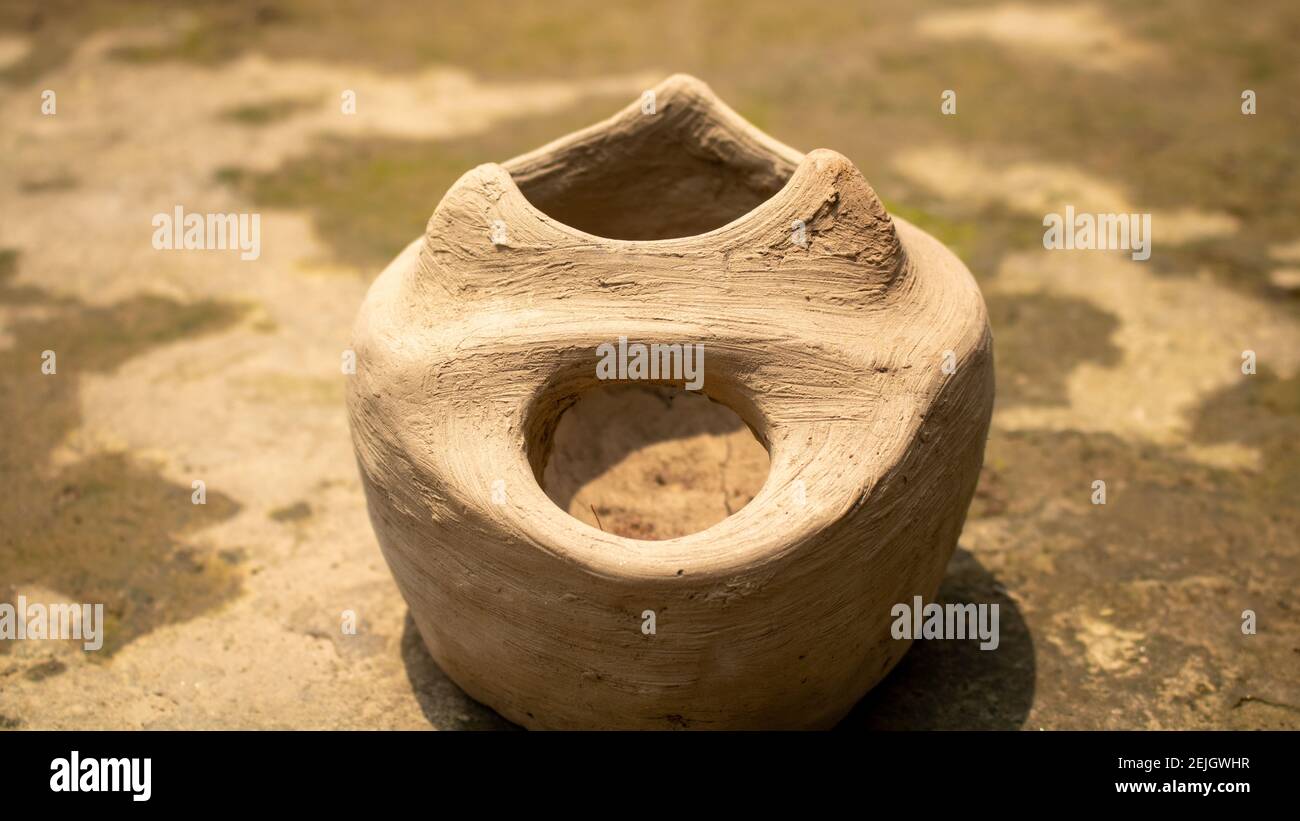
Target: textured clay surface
[{"x": 826, "y": 327}]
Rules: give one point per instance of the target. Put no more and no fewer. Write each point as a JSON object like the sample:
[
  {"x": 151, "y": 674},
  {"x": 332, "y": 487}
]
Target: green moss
[
  {"x": 1261, "y": 411},
  {"x": 296, "y": 512},
  {"x": 370, "y": 197},
  {"x": 979, "y": 238},
  {"x": 1039, "y": 340},
  {"x": 960, "y": 237},
  {"x": 61, "y": 182},
  {"x": 106, "y": 528},
  {"x": 269, "y": 111}
]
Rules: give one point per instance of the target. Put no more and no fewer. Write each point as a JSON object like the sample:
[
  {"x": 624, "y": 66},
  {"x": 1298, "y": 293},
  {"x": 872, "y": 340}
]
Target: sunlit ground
[{"x": 178, "y": 366}]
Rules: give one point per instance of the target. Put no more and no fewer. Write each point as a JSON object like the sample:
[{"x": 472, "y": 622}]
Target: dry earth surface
[{"x": 177, "y": 366}]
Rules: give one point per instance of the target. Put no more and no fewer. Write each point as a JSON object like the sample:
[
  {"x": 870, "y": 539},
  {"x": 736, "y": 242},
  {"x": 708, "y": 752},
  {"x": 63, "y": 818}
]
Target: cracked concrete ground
[{"x": 183, "y": 366}]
